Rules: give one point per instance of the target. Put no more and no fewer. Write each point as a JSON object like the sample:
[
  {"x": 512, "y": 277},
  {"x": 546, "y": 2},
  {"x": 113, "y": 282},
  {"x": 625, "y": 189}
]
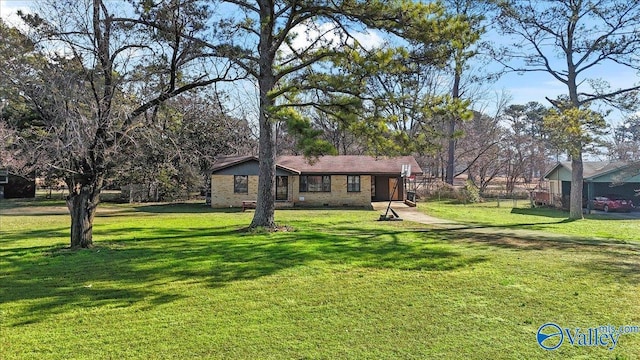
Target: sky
[
  {"x": 8, "y": 9},
  {"x": 521, "y": 88}
]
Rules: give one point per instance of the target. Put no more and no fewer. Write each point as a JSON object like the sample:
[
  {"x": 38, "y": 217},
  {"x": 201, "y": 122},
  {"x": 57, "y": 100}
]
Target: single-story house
[
  {"x": 326, "y": 181},
  {"x": 601, "y": 178},
  {"x": 14, "y": 186}
]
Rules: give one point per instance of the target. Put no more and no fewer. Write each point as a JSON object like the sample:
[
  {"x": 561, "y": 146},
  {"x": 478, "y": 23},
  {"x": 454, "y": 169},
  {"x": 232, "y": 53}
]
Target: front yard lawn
[
  {"x": 178, "y": 282},
  {"x": 519, "y": 215}
]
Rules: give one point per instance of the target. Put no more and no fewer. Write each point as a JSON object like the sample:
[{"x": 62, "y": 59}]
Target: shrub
[
  {"x": 437, "y": 190},
  {"x": 470, "y": 193}
]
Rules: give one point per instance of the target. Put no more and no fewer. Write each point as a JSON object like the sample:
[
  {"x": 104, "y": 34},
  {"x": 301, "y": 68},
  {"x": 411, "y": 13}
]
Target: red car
[{"x": 612, "y": 203}]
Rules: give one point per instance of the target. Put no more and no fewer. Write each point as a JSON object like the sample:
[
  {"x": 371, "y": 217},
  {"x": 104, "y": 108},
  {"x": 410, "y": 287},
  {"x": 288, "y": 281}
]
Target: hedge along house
[
  {"x": 326, "y": 181},
  {"x": 600, "y": 179}
]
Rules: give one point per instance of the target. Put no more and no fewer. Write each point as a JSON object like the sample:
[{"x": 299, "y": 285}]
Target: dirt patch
[
  {"x": 51, "y": 210},
  {"x": 263, "y": 230},
  {"x": 35, "y": 210}
]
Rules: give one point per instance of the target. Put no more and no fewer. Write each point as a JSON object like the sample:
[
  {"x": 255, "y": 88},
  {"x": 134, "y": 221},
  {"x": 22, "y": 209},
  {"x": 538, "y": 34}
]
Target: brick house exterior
[{"x": 353, "y": 181}]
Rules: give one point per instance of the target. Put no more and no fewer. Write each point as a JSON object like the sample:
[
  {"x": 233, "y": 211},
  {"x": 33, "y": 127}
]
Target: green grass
[
  {"x": 185, "y": 281},
  {"x": 520, "y": 215}
]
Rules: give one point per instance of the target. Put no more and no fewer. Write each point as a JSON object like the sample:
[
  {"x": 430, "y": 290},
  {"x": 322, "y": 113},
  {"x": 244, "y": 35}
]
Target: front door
[
  {"x": 282, "y": 188},
  {"x": 394, "y": 193}
]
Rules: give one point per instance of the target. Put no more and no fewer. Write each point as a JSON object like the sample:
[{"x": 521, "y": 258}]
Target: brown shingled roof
[
  {"x": 223, "y": 162},
  {"x": 343, "y": 164},
  {"x": 350, "y": 164}
]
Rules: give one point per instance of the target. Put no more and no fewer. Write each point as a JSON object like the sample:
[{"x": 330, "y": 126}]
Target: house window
[
  {"x": 240, "y": 184},
  {"x": 315, "y": 183},
  {"x": 353, "y": 183},
  {"x": 282, "y": 188},
  {"x": 4, "y": 176}
]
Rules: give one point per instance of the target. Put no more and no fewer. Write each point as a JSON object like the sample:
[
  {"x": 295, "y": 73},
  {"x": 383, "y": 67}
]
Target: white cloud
[
  {"x": 369, "y": 40},
  {"x": 9, "y": 12},
  {"x": 328, "y": 35}
]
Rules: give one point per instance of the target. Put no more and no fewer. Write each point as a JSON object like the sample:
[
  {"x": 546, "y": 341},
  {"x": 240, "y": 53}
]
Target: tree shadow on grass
[
  {"x": 506, "y": 229},
  {"x": 148, "y": 271},
  {"x": 54, "y": 280},
  {"x": 8, "y": 237},
  {"x": 559, "y": 214},
  {"x": 620, "y": 261},
  {"x": 106, "y": 210},
  {"x": 544, "y": 212},
  {"x": 184, "y": 208},
  {"x": 138, "y": 266}
]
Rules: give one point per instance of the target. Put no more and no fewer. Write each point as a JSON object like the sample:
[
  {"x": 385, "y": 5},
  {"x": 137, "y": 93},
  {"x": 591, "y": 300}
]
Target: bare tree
[
  {"x": 479, "y": 149},
  {"x": 567, "y": 39},
  {"x": 10, "y": 147},
  {"x": 625, "y": 140},
  {"x": 102, "y": 70},
  {"x": 14, "y": 116},
  {"x": 173, "y": 153}
]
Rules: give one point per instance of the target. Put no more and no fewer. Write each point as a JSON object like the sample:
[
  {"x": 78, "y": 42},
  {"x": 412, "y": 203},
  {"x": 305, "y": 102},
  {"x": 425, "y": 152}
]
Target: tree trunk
[
  {"x": 577, "y": 180},
  {"x": 82, "y": 203},
  {"x": 575, "y": 201},
  {"x": 451, "y": 153},
  {"x": 265, "y": 205}
]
